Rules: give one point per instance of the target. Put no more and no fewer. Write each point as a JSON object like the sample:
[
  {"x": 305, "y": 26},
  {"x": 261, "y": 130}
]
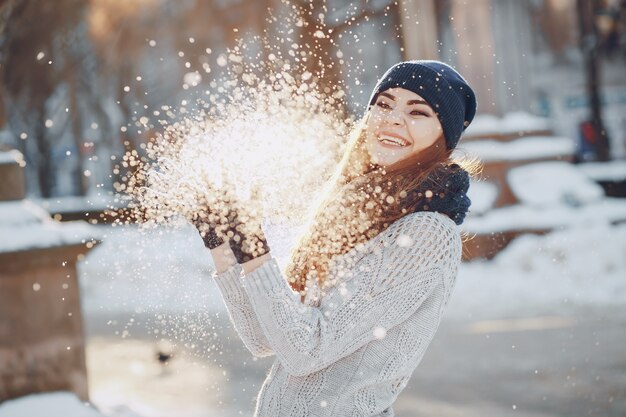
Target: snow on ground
[
  {"x": 531, "y": 147},
  {"x": 514, "y": 122},
  {"x": 552, "y": 195},
  {"x": 523, "y": 217},
  {"x": 136, "y": 271},
  {"x": 583, "y": 265},
  {"x": 483, "y": 195},
  {"x": 53, "y": 404},
  {"x": 163, "y": 270},
  {"x": 551, "y": 183},
  {"x": 96, "y": 202},
  {"x": 604, "y": 171},
  {"x": 11, "y": 157}
]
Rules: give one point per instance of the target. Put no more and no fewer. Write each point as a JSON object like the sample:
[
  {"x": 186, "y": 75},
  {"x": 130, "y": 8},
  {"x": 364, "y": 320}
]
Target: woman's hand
[
  {"x": 206, "y": 220},
  {"x": 248, "y": 240},
  {"x": 222, "y": 217}
]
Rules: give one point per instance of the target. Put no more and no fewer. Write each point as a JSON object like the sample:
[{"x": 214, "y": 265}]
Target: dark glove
[
  {"x": 206, "y": 222},
  {"x": 229, "y": 220},
  {"x": 248, "y": 240}
]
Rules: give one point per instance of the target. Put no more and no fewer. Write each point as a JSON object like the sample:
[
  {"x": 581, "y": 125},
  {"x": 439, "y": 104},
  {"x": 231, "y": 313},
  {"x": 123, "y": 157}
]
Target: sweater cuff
[
  {"x": 229, "y": 281},
  {"x": 267, "y": 279}
]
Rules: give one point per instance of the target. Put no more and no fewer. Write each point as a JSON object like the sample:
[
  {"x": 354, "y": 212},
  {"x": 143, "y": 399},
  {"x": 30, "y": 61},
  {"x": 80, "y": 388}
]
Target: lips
[{"x": 392, "y": 139}]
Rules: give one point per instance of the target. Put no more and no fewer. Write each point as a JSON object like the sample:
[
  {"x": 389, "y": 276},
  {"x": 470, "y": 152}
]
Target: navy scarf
[{"x": 443, "y": 191}]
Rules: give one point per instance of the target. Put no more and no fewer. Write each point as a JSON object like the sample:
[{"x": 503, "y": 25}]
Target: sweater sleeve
[
  {"x": 411, "y": 257},
  {"x": 241, "y": 313}
]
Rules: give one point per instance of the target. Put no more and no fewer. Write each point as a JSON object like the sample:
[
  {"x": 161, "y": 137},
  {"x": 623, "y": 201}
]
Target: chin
[
  {"x": 386, "y": 161},
  {"x": 383, "y": 156},
  {"x": 386, "y": 158}
]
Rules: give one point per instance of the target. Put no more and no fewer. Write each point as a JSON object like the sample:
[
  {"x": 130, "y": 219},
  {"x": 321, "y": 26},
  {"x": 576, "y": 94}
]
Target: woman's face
[{"x": 400, "y": 125}]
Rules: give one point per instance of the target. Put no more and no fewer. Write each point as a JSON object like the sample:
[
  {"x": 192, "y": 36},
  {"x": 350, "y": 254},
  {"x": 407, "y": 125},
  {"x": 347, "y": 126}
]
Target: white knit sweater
[{"x": 352, "y": 350}]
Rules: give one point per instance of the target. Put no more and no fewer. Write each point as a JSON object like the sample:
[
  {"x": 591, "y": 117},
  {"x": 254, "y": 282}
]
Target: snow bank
[
  {"x": 169, "y": 270},
  {"x": 532, "y": 147},
  {"x": 523, "y": 217},
  {"x": 164, "y": 270},
  {"x": 604, "y": 171},
  {"x": 81, "y": 204},
  {"x": 22, "y": 212},
  {"x": 10, "y": 157},
  {"x": 54, "y": 404},
  {"x": 159, "y": 270},
  {"x": 551, "y": 183},
  {"x": 486, "y": 124},
  {"x": 581, "y": 266},
  {"x": 483, "y": 195},
  {"x": 24, "y": 226}
]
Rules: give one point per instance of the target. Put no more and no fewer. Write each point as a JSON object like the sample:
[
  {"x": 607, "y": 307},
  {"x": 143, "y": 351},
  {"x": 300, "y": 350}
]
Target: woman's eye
[
  {"x": 383, "y": 105},
  {"x": 418, "y": 113}
]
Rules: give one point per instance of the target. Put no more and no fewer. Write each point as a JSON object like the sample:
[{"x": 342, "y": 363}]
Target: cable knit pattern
[
  {"x": 243, "y": 318},
  {"x": 352, "y": 352}
]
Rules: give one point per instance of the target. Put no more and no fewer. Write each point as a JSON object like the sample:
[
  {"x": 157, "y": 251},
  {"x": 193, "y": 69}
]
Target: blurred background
[{"x": 98, "y": 318}]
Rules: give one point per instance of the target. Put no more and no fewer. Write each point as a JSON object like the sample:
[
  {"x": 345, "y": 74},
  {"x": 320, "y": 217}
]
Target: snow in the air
[{"x": 575, "y": 255}]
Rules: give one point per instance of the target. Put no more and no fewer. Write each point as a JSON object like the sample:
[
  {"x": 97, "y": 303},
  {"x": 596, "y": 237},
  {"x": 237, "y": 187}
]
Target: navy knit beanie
[{"x": 441, "y": 86}]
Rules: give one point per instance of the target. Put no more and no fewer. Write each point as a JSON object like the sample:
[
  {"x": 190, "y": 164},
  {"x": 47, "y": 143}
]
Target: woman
[{"x": 366, "y": 286}]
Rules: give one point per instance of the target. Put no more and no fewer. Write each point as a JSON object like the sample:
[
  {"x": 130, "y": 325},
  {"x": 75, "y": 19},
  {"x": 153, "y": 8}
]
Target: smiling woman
[
  {"x": 365, "y": 288},
  {"x": 401, "y": 124}
]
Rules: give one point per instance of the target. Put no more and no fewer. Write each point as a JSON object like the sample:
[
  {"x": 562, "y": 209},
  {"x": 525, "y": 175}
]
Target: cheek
[
  {"x": 425, "y": 131},
  {"x": 375, "y": 118},
  {"x": 373, "y": 123}
]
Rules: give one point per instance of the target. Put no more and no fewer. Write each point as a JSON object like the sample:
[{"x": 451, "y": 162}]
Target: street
[{"x": 548, "y": 366}]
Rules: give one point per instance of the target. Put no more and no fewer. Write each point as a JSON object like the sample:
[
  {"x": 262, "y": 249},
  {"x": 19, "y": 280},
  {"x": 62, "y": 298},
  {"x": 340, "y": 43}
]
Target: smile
[{"x": 392, "y": 140}]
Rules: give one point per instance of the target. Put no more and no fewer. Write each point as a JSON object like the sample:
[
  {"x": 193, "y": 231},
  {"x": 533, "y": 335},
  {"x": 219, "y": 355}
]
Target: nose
[{"x": 394, "y": 117}]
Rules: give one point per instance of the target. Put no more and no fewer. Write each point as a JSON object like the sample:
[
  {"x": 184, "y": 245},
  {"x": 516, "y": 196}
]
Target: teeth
[{"x": 392, "y": 140}]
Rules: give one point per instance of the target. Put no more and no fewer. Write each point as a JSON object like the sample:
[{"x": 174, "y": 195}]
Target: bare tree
[{"x": 36, "y": 63}]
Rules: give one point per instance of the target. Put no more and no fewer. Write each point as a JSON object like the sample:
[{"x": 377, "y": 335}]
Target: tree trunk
[
  {"x": 77, "y": 133},
  {"x": 45, "y": 173}
]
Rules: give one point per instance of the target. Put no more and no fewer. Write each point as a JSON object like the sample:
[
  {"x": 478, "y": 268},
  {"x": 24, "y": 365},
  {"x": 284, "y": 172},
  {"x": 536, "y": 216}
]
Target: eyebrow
[{"x": 392, "y": 97}]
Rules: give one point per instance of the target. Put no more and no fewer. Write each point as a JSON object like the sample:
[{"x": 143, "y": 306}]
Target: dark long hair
[{"x": 361, "y": 200}]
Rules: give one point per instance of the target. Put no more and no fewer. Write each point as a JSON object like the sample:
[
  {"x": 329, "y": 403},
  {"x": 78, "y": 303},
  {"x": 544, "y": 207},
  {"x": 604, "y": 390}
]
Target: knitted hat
[{"x": 441, "y": 86}]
